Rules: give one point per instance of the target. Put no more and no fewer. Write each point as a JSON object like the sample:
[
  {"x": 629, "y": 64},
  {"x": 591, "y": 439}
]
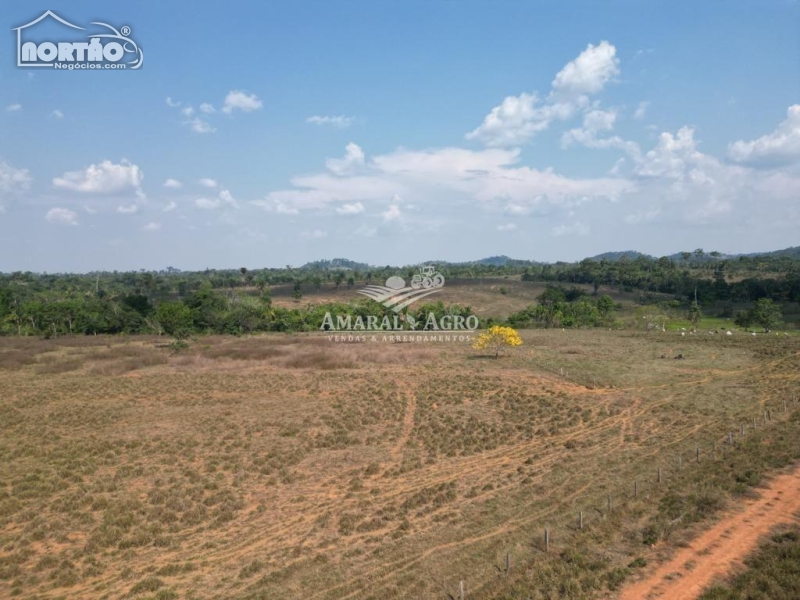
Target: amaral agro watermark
[
  {"x": 396, "y": 295},
  {"x": 106, "y": 49}
]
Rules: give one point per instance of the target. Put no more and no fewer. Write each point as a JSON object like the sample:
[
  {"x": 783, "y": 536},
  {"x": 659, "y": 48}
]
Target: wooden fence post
[
  {"x": 697, "y": 453},
  {"x": 461, "y": 590},
  {"x": 730, "y": 438},
  {"x": 508, "y": 561},
  {"x": 580, "y": 520},
  {"x": 635, "y": 488},
  {"x": 742, "y": 430},
  {"x": 659, "y": 475},
  {"x": 546, "y": 540},
  {"x": 609, "y": 503}
]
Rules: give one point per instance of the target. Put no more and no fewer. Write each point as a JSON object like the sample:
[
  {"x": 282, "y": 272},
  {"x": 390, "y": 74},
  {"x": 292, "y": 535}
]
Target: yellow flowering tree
[{"x": 496, "y": 338}]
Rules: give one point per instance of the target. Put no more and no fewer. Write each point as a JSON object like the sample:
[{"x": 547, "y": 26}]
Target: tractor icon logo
[
  {"x": 396, "y": 295},
  {"x": 427, "y": 278}
]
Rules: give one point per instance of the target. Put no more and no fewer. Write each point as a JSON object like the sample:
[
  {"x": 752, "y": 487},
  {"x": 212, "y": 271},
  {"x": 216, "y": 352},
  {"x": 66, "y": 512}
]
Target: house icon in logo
[
  {"x": 102, "y": 50},
  {"x": 19, "y": 29}
]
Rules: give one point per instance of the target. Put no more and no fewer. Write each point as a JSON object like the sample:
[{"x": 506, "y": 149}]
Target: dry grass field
[
  {"x": 295, "y": 467},
  {"x": 488, "y": 297}
]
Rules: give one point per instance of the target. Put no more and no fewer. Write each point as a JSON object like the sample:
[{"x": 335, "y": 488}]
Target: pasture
[{"x": 289, "y": 466}]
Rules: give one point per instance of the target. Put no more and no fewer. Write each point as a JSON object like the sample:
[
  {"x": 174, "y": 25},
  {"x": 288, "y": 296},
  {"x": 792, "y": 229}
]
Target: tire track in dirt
[
  {"x": 714, "y": 552},
  {"x": 407, "y": 427}
]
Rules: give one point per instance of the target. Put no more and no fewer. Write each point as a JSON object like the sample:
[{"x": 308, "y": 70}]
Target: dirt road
[{"x": 715, "y": 551}]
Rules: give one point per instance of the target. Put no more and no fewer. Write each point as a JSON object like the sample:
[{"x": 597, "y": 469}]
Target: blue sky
[{"x": 266, "y": 134}]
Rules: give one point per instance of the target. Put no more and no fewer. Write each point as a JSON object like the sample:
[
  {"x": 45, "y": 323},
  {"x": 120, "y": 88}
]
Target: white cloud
[
  {"x": 671, "y": 156},
  {"x": 316, "y": 234},
  {"x": 518, "y": 118},
  {"x": 781, "y": 146},
  {"x": 62, "y": 216},
  {"x": 353, "y": 158},
  {"x": 57, "y": 114},
  {"x": 225, "y": 199},
  {"x": 207, "y": 108},
  {"x": 507, "y": 227},
  {"x": 577, "y": 229},
  {"x": 187, "y": 111},
  {"x": 131, "y": 209},
  {"x": 588, "y": 73},
  {"x": 276, "y": 206},
  {"x": 172, "y": 103},
  {"x": 173, "y": 184},
  {"x": 594, "y": 122},
  {"x": 209, "y": 183},
  {"x": 208, "y": 203},
  {"x": 239, "y": 100},
  {"x": 338, "y": 121},
  {"x": 14, "y": 107},
  {"x": 641, "y": 111},
  {"x": 198, "y": 125},
  {"x": 490, "y": 178},
  {"x": 152, "y": 226},
  {"x": 170, "y": 206},
  {"x": 13, "y": 180},
  {"x": 393, "y": 213},
  {"x": 105, "y": 178},
  {"x": 599, "y": 120},
  {"x": 350, "y": 209}
]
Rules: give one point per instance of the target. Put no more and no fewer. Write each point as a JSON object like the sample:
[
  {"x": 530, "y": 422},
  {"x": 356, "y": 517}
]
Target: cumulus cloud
[
  {"x": 393, "y": 213},
  {"x": 676, "y": 180},
  {"x": 14, "y": 107},
  {"x": 172, "y": 103},
  {"x": 594, "y": 122},
  {"x": 490, "y": 178},
  {"x": 589, "y": 72},
  {"x": 207, "y": 108},
  {"x": 338, "y": 121},
  {"x": 353, "y": 158},
  {"x": 57, "y": 114},
  {"x": 198, "y": 125},
  {"x": 105, "y": 178},
  {"x": 224, "y": 200},
  {"x": 62, "y": 216},
  {"x": 152, "y": 226},
  {"x": 239, "y": 100},
  {"x": 130, "y": 209},
  {"x": 207, "y": 182},
  {"x": 227, "y": 199},
  {"x": 518, "y": 118},
  {"x": 170, "y": 206},
  {"x": 13, "y": 180},
  {"x": 173, "y": 184},
  {"x": 354, "y": 208},
  {"x": 779, "y": 147}
]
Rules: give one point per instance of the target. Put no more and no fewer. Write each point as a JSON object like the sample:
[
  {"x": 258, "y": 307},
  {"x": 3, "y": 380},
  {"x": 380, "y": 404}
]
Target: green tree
[
  {"x": 767, "y": 314},
  {"x": 175, "y": 319}
]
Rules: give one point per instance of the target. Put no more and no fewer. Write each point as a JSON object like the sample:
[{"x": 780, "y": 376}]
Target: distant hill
[
  {"x": 792, "y": 252},
  {"x": 615, "y": 256},
  {"x": 502, "y": 260},
  {"x": 495, "y": 261},
  {"x": 341, "y": 264}
]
